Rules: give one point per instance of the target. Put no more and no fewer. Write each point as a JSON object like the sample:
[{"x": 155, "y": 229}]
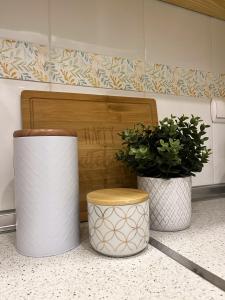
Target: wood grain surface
[
  {"x": 44, "y": 132},
  {"x": 97, "y": 121},
  {"x": 117, "y": 197},
  {"x": 213, "y": 8}
]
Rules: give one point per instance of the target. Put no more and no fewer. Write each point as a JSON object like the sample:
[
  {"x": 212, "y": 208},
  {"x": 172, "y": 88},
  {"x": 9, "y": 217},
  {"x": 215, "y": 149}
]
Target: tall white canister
[{"x": 46, "y": 191}]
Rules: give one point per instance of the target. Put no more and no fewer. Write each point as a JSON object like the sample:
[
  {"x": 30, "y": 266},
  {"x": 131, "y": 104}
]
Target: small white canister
[
  {"x": 46, "y": 191},
  {"x": 118, "y": 221}
]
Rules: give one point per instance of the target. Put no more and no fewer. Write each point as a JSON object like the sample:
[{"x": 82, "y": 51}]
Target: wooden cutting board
[{"x": 97, "y": 120}]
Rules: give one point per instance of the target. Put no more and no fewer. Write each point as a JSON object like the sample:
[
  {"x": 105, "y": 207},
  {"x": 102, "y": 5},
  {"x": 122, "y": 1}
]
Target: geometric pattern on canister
[{"x": 119, "y": 230}]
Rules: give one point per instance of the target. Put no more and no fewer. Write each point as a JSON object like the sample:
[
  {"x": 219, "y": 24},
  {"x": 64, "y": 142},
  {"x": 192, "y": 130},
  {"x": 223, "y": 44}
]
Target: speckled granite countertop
[
  {"x": 204, "y": 242},
  {"x": 84, "y": 274}
]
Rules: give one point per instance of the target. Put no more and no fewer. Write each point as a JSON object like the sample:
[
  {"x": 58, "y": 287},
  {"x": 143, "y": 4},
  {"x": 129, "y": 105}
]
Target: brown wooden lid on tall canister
[
  {"x": 44, "y": 132},
  {"x": 117, "y": 196}
]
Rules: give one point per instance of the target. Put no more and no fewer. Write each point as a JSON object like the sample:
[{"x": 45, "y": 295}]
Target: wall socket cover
[{"x": 218, "y": 110}]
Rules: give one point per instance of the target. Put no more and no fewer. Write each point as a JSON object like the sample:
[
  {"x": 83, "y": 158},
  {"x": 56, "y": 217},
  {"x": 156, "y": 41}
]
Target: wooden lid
[
  {"x": 44, "y": 132},
  {"x": 117, "y": 196}
]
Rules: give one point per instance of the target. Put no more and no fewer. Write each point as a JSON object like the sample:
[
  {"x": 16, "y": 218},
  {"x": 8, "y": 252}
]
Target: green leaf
[{"x": 174, "y": 148}]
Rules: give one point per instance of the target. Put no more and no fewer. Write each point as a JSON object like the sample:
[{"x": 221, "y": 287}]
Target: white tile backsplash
[
  {"x": 218, "y": 45},
  {"x": 111, "y": 27},
  {"x": 150, "y": 29},
  {"x": 176, "y": 36},
  {"x": 25, "y": 20},
  {"x": 167, "y": 105},
  {"x": 96, "y": 91},
  {"x": 10, "y": 116},
  {"x": 219, "y": 153}
]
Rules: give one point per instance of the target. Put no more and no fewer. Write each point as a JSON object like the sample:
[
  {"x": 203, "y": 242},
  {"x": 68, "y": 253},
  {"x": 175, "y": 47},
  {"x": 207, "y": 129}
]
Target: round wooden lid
[
  {"x": 44, "y": 132},
  {"x": 117, "y": 196}
]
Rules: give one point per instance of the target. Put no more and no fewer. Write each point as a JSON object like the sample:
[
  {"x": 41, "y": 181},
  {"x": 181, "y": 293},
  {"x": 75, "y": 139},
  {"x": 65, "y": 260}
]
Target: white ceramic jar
[
  {"x": 118, "y": 221},
  {"x": 46, "y": 191},
  {"x": 170, "y": 205}
]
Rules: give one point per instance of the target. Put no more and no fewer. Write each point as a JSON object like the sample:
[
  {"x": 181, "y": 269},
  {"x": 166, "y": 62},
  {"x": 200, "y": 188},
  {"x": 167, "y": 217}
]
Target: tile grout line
[{"x": 195, "y": 268}]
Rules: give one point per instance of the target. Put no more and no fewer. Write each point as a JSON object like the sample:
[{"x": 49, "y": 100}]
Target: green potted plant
[{"x": 165, "y": 157}]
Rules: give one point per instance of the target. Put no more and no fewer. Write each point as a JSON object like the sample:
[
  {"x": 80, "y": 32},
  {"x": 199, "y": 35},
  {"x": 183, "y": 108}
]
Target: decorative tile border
[
  {"x": 29, "y": 61},
  {"x": 23, "y": 60},
  {"x": 127, "y": 74},
  {"x": 75, "y": 67},
  {"x": 176, "y": 81}
]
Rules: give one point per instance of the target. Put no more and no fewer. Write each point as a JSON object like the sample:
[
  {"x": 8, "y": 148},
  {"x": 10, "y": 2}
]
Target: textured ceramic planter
[
  {"x": 46, "y": 192},
  {"x": 119, "y": 230},
  {"x": 170, "y": 202}
]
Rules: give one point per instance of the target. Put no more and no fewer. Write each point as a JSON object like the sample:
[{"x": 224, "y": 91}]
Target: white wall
[
  {"x": 176, "y": 36},
  {"x": 17, "y": 22},
  {"x": 110, "y": 27},
  {"x": 146, "y": 29},
  {"x": 24, "y": 20},
  {"x": 10, "y": 117}
]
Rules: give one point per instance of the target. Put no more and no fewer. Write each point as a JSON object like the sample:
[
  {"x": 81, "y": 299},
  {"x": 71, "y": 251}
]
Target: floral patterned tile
[
  {"x": 159, "y": 79},
  {"x": 213, "y": 84},
  {"x": 192, "y": 83},
  {"x": 23, "y": 60},
  {"x": 75, "y": 67},
  {"x": 28, "y": 61},
  {"x": 127, "y": 74},
  {"x": 172, "y": 80},
  {"x": 222, "y": 85},
  {"x": 217, "y": 85}
]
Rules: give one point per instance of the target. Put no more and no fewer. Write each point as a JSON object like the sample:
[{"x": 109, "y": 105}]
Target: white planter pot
[{"x": 170, "y": 202}]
